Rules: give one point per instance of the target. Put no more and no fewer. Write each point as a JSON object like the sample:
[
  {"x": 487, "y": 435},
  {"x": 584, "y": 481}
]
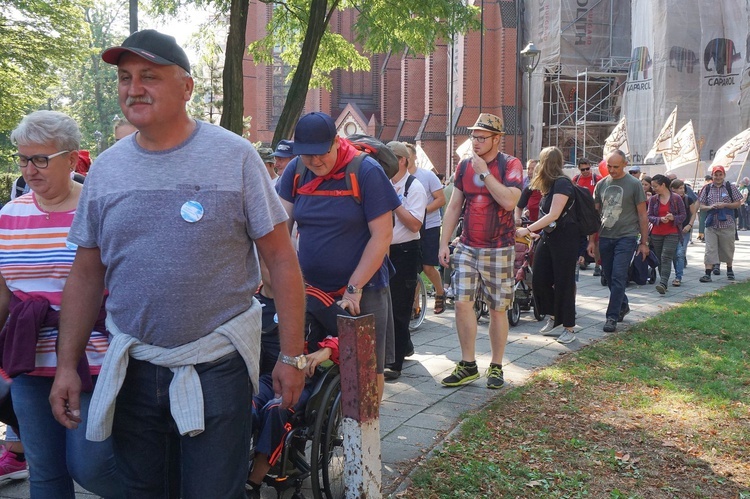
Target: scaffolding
[
  {"x": 580, "y": 111},
  {"x": 585, "y": 72}
]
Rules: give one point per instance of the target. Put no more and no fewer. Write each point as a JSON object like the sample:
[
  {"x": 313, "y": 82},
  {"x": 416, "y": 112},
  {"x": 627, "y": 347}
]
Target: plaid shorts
[{"x": 490, "y": 268}]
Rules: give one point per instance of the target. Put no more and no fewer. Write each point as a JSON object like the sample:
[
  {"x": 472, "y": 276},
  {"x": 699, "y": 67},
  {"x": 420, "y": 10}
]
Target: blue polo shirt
[{"x": 333, "y": 230}]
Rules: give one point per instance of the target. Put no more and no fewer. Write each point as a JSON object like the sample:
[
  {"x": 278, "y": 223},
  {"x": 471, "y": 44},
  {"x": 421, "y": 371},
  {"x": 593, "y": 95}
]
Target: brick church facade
[{"x": 406, "y": 97}]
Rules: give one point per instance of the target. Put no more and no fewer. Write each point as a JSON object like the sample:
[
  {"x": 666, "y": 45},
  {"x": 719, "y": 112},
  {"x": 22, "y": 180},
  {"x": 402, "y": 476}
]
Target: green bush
[{"x": 6, "y": 183}]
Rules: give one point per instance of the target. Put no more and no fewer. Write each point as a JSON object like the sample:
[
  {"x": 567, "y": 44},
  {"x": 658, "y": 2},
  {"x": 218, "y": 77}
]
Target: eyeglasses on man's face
[
  {"x": 311, "y": 156},
  {"x": 585, "y": 169},
  {"x": 479, "y": 138},
  {"x": 39, "y": 160}
]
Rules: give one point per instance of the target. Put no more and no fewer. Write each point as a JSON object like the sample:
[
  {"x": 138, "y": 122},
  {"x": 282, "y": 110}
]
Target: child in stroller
[{"x": 523, "y": 296}]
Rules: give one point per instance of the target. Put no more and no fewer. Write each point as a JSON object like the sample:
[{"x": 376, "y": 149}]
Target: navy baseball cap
[
  {"x": 284, "y": 149},
  {"x": 314, "y": 134},
  {"x": 151, "y": 45}
]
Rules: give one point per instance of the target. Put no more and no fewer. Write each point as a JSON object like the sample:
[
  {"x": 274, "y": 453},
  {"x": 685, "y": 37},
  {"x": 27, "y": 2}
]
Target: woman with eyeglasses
[{"x": 35, "y": 260}]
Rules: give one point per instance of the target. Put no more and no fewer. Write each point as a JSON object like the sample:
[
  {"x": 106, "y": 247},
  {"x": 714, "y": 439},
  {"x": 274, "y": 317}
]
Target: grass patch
[{"x": 658, "y": 411}]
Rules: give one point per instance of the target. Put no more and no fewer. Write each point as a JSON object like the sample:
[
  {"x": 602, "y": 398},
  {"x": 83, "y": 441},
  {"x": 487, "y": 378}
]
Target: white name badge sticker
[{"x": 191, "y": 211}]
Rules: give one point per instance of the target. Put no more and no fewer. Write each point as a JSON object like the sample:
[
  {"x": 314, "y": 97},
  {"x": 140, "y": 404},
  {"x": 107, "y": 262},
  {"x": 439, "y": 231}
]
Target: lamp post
[{"x": 530, "y": 57}]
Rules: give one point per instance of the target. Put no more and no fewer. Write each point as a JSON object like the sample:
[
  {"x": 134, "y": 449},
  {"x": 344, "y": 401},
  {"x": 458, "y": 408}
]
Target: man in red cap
[
  {"x": 719, "y": 199},
  {"x": 490, "y": 183},
  {"x": 169, "y": 222}
]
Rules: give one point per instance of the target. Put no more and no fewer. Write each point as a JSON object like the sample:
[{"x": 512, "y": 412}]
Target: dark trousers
[
  {"x": 554, "y": 277},
  {"x": 616, "y": 256},
  {"x": 214, "y": 463},
  {"x": 407, "y": 259}
]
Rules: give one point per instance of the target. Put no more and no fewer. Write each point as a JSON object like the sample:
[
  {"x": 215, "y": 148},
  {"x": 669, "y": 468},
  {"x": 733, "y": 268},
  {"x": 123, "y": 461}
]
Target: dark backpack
[
  {"x": 584, "y": 211},
  {"x": 368, "y": 146}
]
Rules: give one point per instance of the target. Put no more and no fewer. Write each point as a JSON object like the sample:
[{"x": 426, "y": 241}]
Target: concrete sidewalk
[{"x": 417, "y": 412}]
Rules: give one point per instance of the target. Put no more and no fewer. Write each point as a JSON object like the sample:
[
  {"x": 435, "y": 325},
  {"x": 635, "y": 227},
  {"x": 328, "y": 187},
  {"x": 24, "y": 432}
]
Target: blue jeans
[
  {"x": 616, "y": 256},
  {"x": 679, "y": 256},
  {"x": 56, "y": 455},
  {"x": 154, "y": 459}
]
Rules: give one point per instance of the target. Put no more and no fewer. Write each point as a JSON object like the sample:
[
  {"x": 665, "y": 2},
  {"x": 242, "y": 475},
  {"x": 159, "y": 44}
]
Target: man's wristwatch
[
  {"x": 300, "y": 361},
  {"x": 483, "y": 176},
  {"x": 353, "y": 290}
]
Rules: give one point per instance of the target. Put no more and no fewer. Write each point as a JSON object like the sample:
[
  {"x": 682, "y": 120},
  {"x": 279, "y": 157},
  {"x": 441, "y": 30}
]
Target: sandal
[
  {"x": 676, "y": 283},
  {"x": 439, "y": 304}
]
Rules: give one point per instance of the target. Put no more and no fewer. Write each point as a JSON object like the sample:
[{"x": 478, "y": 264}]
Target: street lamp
[{"x": 530, "y": 57}]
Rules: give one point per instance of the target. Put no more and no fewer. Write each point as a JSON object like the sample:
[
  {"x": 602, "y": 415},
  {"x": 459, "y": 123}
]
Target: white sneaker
[
  {"x": 568, "y": 336},
  {"x": 549, "y": 326}
]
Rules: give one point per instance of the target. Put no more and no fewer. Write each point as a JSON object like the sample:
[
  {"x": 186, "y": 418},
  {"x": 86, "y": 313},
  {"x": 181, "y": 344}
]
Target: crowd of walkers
[{"x": 156, "y": 316}]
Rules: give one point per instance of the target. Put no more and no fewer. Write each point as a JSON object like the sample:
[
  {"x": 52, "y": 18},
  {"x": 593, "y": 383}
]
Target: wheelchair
[{"x": 314, "y": 448}]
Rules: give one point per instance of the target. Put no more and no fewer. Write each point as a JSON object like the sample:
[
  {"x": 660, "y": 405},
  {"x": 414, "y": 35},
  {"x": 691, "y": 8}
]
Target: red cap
[{"x": 84, "y": 162}]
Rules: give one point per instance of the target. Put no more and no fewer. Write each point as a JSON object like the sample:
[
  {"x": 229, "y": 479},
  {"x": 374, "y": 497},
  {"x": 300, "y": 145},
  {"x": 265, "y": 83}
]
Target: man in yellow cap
[{"x": 486, "y": 189}]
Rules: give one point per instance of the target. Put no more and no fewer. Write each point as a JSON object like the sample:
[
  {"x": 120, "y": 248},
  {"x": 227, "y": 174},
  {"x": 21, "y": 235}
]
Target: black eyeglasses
[
  {"x": 479, "y": 139},
  {"x": 40, "y": 161},
  {"x": 585, "y": 169}
]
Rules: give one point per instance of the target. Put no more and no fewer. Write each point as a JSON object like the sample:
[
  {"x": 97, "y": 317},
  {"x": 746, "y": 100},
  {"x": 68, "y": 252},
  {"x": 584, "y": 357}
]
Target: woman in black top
[{"x": 557, "y": 253}]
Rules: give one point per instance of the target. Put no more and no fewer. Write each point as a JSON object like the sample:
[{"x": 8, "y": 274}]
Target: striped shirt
[{"x": 35, "y": 260}]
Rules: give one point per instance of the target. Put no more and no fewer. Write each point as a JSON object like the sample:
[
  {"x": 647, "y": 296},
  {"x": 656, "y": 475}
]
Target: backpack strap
[
  {"x": 409, "y": 180},
  {"x": 728, "y": 187},
  {"x": 351, "y": 175},
  {"x": 501, "y": 164},
  {"x": 299, "y": 171},
  {"x": 20, "y": 186}
]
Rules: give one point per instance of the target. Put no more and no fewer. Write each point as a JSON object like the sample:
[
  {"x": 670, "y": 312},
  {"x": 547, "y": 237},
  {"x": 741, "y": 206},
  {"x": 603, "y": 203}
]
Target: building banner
[
  {"x": 722, "y": 58},
  {"x": 638, "y": 101}
]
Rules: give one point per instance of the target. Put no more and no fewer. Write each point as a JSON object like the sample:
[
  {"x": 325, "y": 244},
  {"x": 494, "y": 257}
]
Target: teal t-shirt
[{"x": 619, "y": 200}]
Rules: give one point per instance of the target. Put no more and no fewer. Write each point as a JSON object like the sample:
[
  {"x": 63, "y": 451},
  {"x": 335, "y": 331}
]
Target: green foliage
[
  {"x": 286, "y": 34},
  {"x": 38, "y": 38},
  {"x": 6, "y": 183},
  {"x": 380, "y": 27},
  {"x": 207, "y": 100},
  {"x": 88, "y": 91},
  {"x": 416, "y": 25}
]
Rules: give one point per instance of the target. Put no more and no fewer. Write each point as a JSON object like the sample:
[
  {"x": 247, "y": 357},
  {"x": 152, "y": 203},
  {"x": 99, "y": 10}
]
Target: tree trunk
[
  {"x": 231, "y": 117},
  {"x": 133, "y": 16},
  {"x": 295, "y": 99}
]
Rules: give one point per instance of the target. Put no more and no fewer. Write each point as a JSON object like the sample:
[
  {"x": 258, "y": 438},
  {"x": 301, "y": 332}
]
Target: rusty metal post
[{"x": 359, "y": 404}]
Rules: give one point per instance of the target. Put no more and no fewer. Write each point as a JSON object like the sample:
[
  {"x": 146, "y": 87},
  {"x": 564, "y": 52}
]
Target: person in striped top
[{"x": 35, "y": 260}]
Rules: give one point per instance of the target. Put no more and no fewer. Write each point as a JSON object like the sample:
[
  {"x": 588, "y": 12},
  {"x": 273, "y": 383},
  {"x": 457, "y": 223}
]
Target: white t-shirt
[
  {"x": 415, "y": 203},
  {"x": 431, "y": 183}
]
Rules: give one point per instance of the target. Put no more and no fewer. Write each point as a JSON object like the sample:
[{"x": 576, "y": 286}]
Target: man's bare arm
[
  {"x": 276, "y": 250},
  {"x": 436, "y": 203},
  {"x": 79, "y": 309}
]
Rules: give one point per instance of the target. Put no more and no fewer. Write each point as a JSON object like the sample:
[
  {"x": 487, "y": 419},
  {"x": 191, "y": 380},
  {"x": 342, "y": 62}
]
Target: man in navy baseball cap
[
  {"x": 314, "y": 134},
  {"x": 283, "y": 155}
]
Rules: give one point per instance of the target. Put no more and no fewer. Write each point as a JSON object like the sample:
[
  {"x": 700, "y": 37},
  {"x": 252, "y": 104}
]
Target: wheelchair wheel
[
  {"x": 324, "y": 444},
  {"x": 333, "y": 456},
  {"x": 420, "y": 305},
  {"x": 514, "y": 313}
]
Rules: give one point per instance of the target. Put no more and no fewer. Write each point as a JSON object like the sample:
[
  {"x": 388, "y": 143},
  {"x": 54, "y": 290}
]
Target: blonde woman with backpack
[{"x": 557, "y": 252}]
